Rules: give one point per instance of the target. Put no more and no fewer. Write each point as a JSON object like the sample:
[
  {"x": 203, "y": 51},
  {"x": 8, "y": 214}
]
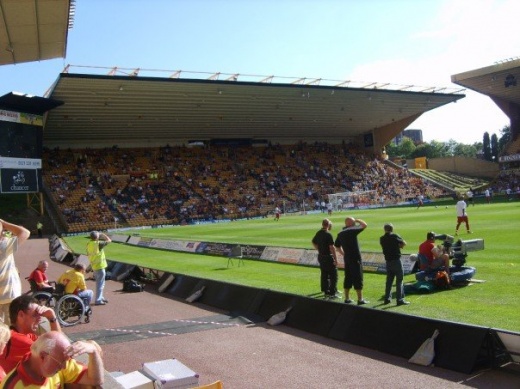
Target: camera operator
[{"x": 433, "y": 257}]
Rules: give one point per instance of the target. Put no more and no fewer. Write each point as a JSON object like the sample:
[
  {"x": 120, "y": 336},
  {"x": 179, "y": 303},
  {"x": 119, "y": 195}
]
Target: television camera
[{"x": 458, "y": 250}]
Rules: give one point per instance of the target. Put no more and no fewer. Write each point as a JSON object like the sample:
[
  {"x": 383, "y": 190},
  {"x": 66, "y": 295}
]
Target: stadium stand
[{"x": 100, "y": 189}]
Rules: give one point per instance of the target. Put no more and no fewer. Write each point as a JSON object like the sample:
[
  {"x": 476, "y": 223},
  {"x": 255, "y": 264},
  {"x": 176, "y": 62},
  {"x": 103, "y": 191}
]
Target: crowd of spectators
[{"x": 103, "y": 188}]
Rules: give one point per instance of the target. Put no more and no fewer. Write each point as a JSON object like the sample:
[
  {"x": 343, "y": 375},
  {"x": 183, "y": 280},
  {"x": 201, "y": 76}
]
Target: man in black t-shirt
[
  {"x": 392, "y": 245},
  {"x": 347, "y": 245},
  {"x": 324, "y": 243}
]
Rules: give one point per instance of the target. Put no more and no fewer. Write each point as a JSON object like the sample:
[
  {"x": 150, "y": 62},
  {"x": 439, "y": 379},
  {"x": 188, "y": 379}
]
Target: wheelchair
[{"x": 70, "y": 309}]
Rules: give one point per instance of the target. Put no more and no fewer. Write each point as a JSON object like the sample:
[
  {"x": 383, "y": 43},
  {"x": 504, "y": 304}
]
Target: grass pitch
[{"x": 493, "y": 303}]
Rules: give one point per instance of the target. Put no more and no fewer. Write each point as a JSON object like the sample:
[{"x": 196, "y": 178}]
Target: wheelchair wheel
[
  {"x": 45, "y": 299},
  {"x": 70, "y": 310}
]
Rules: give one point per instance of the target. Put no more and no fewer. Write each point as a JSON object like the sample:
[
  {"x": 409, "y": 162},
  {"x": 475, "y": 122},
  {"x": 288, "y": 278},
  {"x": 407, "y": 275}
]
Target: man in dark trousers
[
  {"x": 324, "y": 243},
  {"x": 392, "y": 245},
  {"x": 347, "y": 245}
]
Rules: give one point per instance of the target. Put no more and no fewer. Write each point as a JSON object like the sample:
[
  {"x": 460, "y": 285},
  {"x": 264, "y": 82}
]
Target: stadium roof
[
  {"x": 28, "y": 104},
  {"x": 129, "y": 106},
  {"x": 34, "y": 30},
  {"x": 498, "y": 81}
]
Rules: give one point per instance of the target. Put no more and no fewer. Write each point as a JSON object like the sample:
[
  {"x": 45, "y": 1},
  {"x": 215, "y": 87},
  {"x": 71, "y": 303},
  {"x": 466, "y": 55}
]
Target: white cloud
[{"x": 466, "y": 35}]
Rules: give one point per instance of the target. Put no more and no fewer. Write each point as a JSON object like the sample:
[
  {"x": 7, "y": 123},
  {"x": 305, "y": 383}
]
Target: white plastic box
[
  {"x": 171, "y": 373},
  {"x": 135, "y": 380}
]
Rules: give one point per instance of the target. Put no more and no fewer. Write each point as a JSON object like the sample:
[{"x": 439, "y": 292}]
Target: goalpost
[{"x": 348, "y": 200}]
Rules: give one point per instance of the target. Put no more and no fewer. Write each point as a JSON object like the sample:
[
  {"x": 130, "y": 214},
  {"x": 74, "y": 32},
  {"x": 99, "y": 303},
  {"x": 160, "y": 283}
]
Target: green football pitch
[{"x": 493, "y": 301}]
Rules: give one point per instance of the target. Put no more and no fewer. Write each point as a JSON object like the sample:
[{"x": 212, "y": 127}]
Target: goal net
[{"x": 349, "y": 200}]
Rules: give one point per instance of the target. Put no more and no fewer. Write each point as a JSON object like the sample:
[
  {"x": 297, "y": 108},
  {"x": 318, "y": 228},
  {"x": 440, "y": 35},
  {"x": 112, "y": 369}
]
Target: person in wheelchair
[
  {"x": 38, "y": 278},
  {"x": 74, "y": 282},
  {"x": 432, "y": 257}
]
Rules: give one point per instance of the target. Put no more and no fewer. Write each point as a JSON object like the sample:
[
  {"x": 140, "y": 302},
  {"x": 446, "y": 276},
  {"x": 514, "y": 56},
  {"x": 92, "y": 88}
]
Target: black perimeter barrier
[{"x": 459, "y": 347}]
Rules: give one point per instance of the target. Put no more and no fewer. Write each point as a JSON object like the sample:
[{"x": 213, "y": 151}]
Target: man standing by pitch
[
  {"x": 392, "y": 245},
  {"x": 462, "y": 215},
  {"x": 324, "y": 243},
  {"x": 96, "y": 256},
  {"x": 347, "y": 244}
]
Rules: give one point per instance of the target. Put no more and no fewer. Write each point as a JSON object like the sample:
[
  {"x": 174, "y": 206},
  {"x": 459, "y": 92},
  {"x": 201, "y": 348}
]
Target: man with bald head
[
  {"x": 39, "y": 277},
  {"x": 50, "y": 364},
  {"x": 347, "y": 245}
]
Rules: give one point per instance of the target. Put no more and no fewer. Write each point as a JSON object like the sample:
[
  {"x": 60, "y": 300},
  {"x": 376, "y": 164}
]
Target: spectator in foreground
[
  {"x": 50, "y": 364},
  {"x": 392, "y": 245},
  {"x": 11, "y": 237},
  {"x": 25, "y": 316},
  {"x": 5, "y": 335}
]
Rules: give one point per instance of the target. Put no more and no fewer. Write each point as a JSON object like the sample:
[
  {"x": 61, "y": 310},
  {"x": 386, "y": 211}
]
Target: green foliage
[
  {"x": 505, "y": 137},
  {"x": 486, "y": 148},
  {"x": 403, "y": 150},
  {"x": 492, "y": 303},
  {"x": 462, "y": 150},
  {"x": 434, "y": 149},
  {"x": 494, "y": 148}
]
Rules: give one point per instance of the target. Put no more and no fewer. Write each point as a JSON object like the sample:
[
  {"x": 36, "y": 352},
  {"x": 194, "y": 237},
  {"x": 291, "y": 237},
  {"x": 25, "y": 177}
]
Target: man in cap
[{"x": 392, "y": 245}]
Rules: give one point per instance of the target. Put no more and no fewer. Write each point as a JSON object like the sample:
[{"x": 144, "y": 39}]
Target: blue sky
[{"x": 403, "y": 42}]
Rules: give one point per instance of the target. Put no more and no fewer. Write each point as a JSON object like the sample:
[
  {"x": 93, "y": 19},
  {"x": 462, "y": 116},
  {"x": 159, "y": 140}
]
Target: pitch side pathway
[{"x": 144, "y": 327}]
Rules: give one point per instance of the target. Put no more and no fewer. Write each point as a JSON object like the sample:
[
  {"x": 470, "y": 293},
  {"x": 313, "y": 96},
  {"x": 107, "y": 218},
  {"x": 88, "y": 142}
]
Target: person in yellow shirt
[
  {"x": 51, "y": 364},
  {"x": 74, "y": 282},
  {"x": 98, "y": 262}
]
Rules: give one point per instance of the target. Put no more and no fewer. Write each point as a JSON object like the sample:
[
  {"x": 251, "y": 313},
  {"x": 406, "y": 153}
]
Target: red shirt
[
  {"x": 425, "y": 249},
  {"x": 39, "y": 277},
  {"x": 15, "y": 349}
]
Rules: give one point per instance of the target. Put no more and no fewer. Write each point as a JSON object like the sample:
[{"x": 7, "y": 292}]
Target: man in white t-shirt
[
  {"x": 469, "y": 196},
  {"x": 487, "y": 193},
  {"x": 462, "y": 216},
  {"x": 11, "y": 236}
]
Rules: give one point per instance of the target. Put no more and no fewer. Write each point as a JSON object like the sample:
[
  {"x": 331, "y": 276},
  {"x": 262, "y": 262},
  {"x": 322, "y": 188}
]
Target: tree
[
  {"x": 470, "y": 151},
  {"x": 403, "y": 150},
  {"x": 494, "y": 148},
  {"x": 434, "y": 149},
  {"x": 407, "y": 147},
  {"x": 486, "y": 147},
  {"x": 505, "y": 137}
]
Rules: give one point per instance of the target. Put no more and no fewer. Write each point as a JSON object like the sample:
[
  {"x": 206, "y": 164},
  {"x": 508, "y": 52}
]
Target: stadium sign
[
  {"x": 509, "y": 158},
  {"x": 19, "y": 180}
]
